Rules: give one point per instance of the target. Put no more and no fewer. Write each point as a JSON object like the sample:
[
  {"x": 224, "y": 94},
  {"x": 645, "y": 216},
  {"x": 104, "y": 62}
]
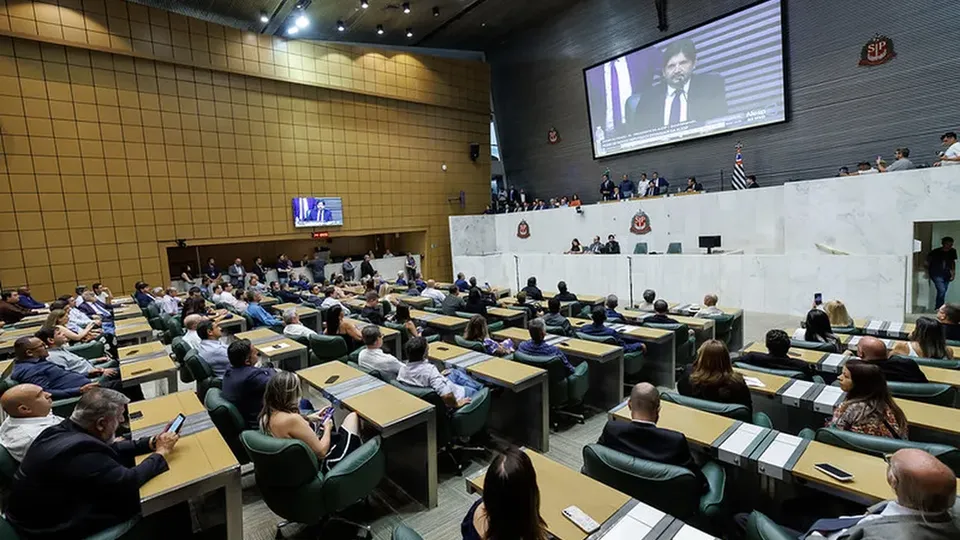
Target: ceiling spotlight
[
  {"x": 406, "y": 7},
  {"x": 436, "y": 11},
  {"x": 380, "y": 29},
  {"x": 364, "y": 4},
  {"x": 292, "y": 30},
  {"x": 264, "y": 18},
  {"x": 303, "y": 21},
  {"x": 409, "y": 32},
  {"x": 340, "y": 26}
]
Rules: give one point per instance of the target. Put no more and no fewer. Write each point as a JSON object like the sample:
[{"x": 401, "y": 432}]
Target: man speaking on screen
[
  {"x": 319, "y": 213},
  {"x": 681, "y": 95}
]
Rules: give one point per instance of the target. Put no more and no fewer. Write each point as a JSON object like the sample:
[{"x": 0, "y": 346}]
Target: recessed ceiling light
[
  {"x": 264, "y": 18},
  {"x": 292, "y": 30},
  {"x": 436, "y": 11},
  {"x": 409, "y": 32},
  {"x": 364, "y": 4},
  {"x": 340, "y": 26},
  {"x": 406, "y": 7},
  {"x": 303, "y": 21},
  {"x": 380, "y": 29}
]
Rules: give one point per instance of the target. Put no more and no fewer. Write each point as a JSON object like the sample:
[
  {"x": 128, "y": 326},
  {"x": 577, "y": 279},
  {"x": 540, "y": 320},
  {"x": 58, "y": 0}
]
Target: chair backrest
[
  {"x": 556, "y": 330},
  {"x": 288, "y": 475},
  {"x": 431, "y": 397},
  {"x": 723, "y": 324},
  {"x": 675, "y": 247},
  {"x": 201, "y": 371},
  {"x": 89, "y": 350},
  {"x": 470, "y": 419},
  {"x": 640, "y": 248},
  {"x": 609, "y": 340},
  {"x": 880, "y": 446},
  {"x": 7, "y": 532},
  {"x": 328, "y": 348},
  {"x": 180, "y": 348},
  {"x": 730, "y": 410},
  {"x": 174, "y": 328},
  {"x": 935, "y": 393},
  {"x": 852, "y": 330},
  {"x": 813, "y": 345},
  {"x": 8, "y": 467},
  {"x": 228, "y": 420},
  {"x": 789, "y": 373},
  {"x": 473, "y": 345},
  {"x": 681, "y": 331},
  {"x": 932, "y": 362},
  {"x": 564, "y": 387},
  {"x": 356, "y": 476},
  {"x": 669, "y": 488}
]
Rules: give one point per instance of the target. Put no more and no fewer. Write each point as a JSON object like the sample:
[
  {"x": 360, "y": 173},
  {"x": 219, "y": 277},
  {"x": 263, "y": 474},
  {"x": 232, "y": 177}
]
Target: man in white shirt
[
  {"x": 292, "y": 327},
  {"x": 169, "y": 302},
  {"x": 28, "y": 410},
  {"x": 431, "y": 292},
  {"x": 54, "y": 340},
  {"x": 256, "y": 285},
  {"x": 211, "y": 349},
  {"x": 190, "y": 322},
  {"x": 104, "y": 294},
  {"x": 329, "y": 301},
  {"x": 224, "y": 295},
  {"x": 709, "y": 308},
  {"x": 455, "y": 389},
  {"x": 373, "y": 356},
  {"x": 951, "y": 156}
]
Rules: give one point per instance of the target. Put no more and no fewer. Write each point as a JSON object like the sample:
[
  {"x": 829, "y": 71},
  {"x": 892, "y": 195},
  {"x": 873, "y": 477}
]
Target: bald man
[
  {"x": 895, "y": 369},
  {"x": 29, "y": 412},
  {"x": 190, "y": 322},
  {"x": 709, "y": 308},
  {"x": 641, "y": 438},
  {"x": 430, "y": 291}
]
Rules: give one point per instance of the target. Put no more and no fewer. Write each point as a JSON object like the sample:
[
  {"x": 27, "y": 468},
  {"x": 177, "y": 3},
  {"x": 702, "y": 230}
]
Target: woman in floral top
[
  {"x": 477, "y": 331},
  {"x": 868, "y": 407}
]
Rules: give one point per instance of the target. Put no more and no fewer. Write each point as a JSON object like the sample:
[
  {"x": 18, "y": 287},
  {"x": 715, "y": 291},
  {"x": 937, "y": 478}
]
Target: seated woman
[
  {"x": 818, "y": 330},
  {"x": 837, "y": 313},
  {"x": 476, "y": 330},
  {"x": 868, "y": 407},
  {"x": 510, "y": 506},
  {"x": 926, "y": 341},
  {"x": 281, "y": 418},
  {"x": 475, "y": 302},
  {"x": 336, "y": 326},
  {"x": 575, "y": 247},
  {"x": 58, "y": 319},
  {"x": 401, "y": 315},
  {"x": 712, "y": 377}
]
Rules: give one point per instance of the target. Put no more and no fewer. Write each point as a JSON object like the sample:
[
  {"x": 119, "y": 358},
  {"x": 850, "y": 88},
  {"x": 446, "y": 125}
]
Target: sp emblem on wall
[
  {"x": 640, "y": 224},
  {"x": 553, "y": 136},
  {"x": 879, "y": 50},
  {"x": 523, "y": 230}
]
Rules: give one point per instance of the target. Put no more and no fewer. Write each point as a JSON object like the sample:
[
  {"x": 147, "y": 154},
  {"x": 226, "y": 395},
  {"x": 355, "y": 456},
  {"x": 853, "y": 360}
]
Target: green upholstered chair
[
  {"x": 730, "y": 410},
  {"x": 557, "y": 331},
  {"x": 585, "y": 312},
  {"x": 174, "y": 328},
  {"x": 851, "y": 330},
  {"x": 384, "y": 376},
  {"x": 289, "y": 478},
  {"x": 686, "y": 344},
  {"x": 61, "y": 407},
  {"x": 932, "y": 362},
  {"x": 466, "y": 344},
  {"x": 953, "y": 343},
  {"x": 405, "y": 334},
  {"x": 152, "y": 313},
  {"x": 228, "y": 420},
  {"x": 431, "y": 309},
  {"x": 89, "y": 350},
  {"x": 760, "y": 527},
  {"x": 324, "y": 348},
  {"x": 566, "y": 389},
  {"x": 813, "y": 345},
  {"x": 386, "y": 307},
  {"x": 935, "y": 393},
  {"x": 669, "y": 488},
  {"x": 202, "y": 373},
  {"x": 723, "y": 328},
  {"x": 7, "y": 532},
  {"x": 8, "y": 467},
  {"x": 674, "y": 248},
  {"x": 180, "y": 350},
  {"x": 640, "y": 248},
  {"x": 632, "y": 362},
  {"x": 789, "y": 373},
  {"x": 880, "y": 446},
  {"x": 402, "y": 532},
  {"x": 456, "y": 425}
]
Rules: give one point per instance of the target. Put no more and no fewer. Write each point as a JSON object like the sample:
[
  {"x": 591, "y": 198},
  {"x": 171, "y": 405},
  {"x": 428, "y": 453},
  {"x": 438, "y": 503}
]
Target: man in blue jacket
[
  {"x": 244, "y": 382},
  {"x": 598, "y": 328},
  {"x": 27, "y": 301},
  {"x": 31, "y": 366}
]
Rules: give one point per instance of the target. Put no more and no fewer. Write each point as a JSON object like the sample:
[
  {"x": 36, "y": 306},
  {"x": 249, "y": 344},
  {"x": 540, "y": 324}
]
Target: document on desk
[
  {"x": 780, "y": 455},
  {"x": 800, "y": 334},
  {"x": 688, "y": 532},
  {"x": 738, "y": 442},
  {"x": 753, "y": 382},
  {"x": 642, "y": 522}
]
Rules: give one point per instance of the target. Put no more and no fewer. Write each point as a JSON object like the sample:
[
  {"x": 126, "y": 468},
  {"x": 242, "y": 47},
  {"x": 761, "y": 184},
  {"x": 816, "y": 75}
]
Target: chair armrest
[
  {"x": 117, "y": 531},
  {"x": 760, "y": 526},
  {"x": 433, "y": 338},
  {"x": 818, "y": 379},
  {"x": 808, "y": 434},
  {"x": 762, "y": 420},
  {"x": 711, "y": 502},
  {"x": 64, "y": 407}
]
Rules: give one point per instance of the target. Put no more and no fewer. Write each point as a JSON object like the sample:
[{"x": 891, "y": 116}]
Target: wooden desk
[
  {"x": 390, "y": 335},
  {"x": 606, "y": 363},
  {"x": 234, "y": 325},
  {"x": 200, "y": 463},
  {"x": 661, "y": 348},
  {"x": 561, "y": 487},
  {"x": 6, "y": 366},
  {"x": 703, "y": 329},
  {"x": 522, "y": 412},
  {"x": 701, "y": 428},
  {"x": 274, "y": 348},
  {"x": 123, "y": 300},
  {"x": 406, "y": 423},
  {"x": 147, "y": 362},
  {"x": 446, "y": 324},
  {"x": 126, "y": 312},
  {"x": 135, "y": 329},
  {"x": 268, "y": 301},
  {"x": 851, "y": 342},
  {"x": 306, "y": 314},
  {"x": 10, "y": 336},
  {"x": 30, "y": 321},
  {"x": 565, "y": 307},
  {"x": 416, "y": 301},
  {"x": 509, "y": 316},
  {"x": 583, "y": 299}
]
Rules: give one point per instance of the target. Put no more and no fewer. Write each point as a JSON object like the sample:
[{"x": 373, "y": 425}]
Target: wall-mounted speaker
[{"x": 474, "y": 151}]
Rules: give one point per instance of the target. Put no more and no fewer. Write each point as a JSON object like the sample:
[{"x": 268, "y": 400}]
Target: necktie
[
  {"x": 675, "y": 107},
  {"x": 615, "y": 96}
]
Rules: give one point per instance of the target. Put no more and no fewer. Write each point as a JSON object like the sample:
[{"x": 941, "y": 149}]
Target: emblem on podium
[
  {"x": 523, "y": 230},
  {"x": 640, "y": 224}
]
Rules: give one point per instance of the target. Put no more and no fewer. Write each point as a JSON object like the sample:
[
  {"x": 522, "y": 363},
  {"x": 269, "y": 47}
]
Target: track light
[
  {"x": 406, "y": 7},
  {"x": 264, "y": 18},
  {"x": 340, "y": 26},
  {"x": 303, "y": 21},
  {"x": 380, "y": 29},
  {"x": 436, "y": 11},
  {"x": 409, "y": 32},
  {"x": 364, "y": 4}
]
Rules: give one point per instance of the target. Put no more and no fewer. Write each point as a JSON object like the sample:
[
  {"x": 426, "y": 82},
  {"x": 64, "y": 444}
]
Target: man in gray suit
[{"x": 926, "y": 492}]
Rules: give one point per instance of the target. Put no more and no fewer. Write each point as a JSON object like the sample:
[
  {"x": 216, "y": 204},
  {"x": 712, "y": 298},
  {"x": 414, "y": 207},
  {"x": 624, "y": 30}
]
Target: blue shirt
[
  {"x": 401, "y": 282},
  {"x": 594, "y": 330},
  {"x": 28, "y": 302},
  {"x": 613, "y": 315},
  {"x": 143, "y": 299},
  {"x": 260, "y": 316},
  {"x": 544, "y": 349},
  {"x": 627, "y": 186},
  {"x": 463, "y": 285},
  {"x": 49, "y": 376},
  {"x": 244, "y": 387}
]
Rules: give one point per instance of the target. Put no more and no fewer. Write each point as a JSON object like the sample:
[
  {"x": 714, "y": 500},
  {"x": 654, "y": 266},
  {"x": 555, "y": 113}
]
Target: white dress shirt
[
  {"x": 77, "y": 320},
  {"x": 169, "y": 304},
  {"x": 380, "y": 361},
  {"x": 191, "y": 338},
  {"x": 709, "y": 311},
  {"x": 426, "y": 375},
  {"x": 17, "y": 434},
  {"x": 103, "y": 297},
  {"x": 433, "y": 294},
  {"x": 952, "y": 152},
  {"x": 624, "y": 86},
  {"x": 69, "y": 361},
  {"x": 298, "y": 330},
  {"x": 214, "y": 352},
  {"x": 230, "y": 300},
  {"x": 668, "y": 103},
  {"x": 330, "y": 301}
]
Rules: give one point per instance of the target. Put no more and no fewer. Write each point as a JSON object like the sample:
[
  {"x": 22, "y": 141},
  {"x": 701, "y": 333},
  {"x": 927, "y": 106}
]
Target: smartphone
[
  {"x": 136, "y": 415},
  {"x": 332, "y": 379},
  {"x": 818, "y": 298},
  {"x": 834, "y": 472},
  {"x": 579, "y": 518},
  {"x": 177, "y": 424}
]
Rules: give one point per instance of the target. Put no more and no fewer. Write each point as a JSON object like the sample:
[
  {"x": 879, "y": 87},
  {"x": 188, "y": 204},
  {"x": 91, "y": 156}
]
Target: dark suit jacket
[
  {"x": 707, "y": 99},
  {"x": 646, "y": 441},
  {"x": 366, "y": 269},
  {"x": 88, "y": 309},
  {"x": 899, "y": 369},
  {"x": 315, "y": 214},
  {"x": 71, "y": 484},
  {"x": 770, "y": 361},
  {"x": 244, "y": 387},
  {"x": 533, "y": 293}
]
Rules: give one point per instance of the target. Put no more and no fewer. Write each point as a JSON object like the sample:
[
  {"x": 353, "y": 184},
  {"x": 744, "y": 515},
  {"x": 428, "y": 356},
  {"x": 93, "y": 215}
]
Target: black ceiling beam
[
  {"x": 451, "y": 20},
  {"x": 279, "y": 16}
]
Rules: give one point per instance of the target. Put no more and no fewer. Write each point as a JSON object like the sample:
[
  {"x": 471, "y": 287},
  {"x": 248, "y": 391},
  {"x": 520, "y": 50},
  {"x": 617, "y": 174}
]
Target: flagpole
[{"x": 721, "y": 179}]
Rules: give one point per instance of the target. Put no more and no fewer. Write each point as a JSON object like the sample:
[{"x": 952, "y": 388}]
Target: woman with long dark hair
[
  {"x": 868, "y": 408},
  {"x": 712, "y": 377},
  {"x": 510, "y": 507},
  {"x": 475, "y": 302},
  {"x": 476, "y": 330},
  {"x": 818, "y": 330},
  {"x": 336, "y": 326},
  {"x": 926, "y": 341}
]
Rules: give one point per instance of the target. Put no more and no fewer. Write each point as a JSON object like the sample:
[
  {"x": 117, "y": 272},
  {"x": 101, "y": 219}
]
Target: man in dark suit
[
  {"x": 366, "y": 267},
  {"x": 641, "y": 438},
  {"x": 895, "y": 369},
  {"x": 777, "y": 355},
  {"x": 613, "y": 83},
  {"x": 93, "y": 307},
  {"x": 533, "y": 292},
  {"x": 681, "y": 95},
  {"x": 77, "y": 479},
  {"x": 659, "y": 316},
  {"x": 319, "y": 213},
  {"x": 244, "y": 383}
]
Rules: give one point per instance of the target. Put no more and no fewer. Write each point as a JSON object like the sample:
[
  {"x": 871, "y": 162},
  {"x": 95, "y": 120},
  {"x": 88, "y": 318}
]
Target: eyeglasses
[{"x": 887, "y": 458}]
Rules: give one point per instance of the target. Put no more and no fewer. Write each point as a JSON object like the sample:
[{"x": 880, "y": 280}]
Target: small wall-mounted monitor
[
  {"x": 317, "y": 212},
  {"x": 710, "y": 242}
]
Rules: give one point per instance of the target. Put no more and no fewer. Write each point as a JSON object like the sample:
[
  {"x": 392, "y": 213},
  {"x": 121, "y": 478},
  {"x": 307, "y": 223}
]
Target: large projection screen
[{"x": 722, "y": 76}]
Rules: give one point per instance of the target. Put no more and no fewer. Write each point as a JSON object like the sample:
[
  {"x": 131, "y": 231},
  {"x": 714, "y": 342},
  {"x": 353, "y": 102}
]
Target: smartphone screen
[
  {"x": 177, "y": 423},
  {"x": 829, "y": 469},
  {"x": 818, "y": 298}
]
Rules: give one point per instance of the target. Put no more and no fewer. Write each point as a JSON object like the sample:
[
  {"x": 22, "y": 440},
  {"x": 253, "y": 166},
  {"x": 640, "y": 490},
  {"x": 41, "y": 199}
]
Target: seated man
[
  {"x": 949, "y": 317},
  {"x": 31, "y": 366},
  {"x": 11, "y": 311},
  {"x": 224, "y": 294},
  {"x": 211, "y": 349},
  {"x": 532, "y": 309},
  {"x": 554, "y": 318},
  {"x": 96, "y": 310},
  {"x": 142, "y": 294},
  {"x": 412, "y": 289},
  {"x": 641, "y": 438},
  {"x": 612, "y": 247},
  {"x": 372, "y": 310},
  {"x": 461, "y": 283},
  {"x": 533, "y": 292},
  {"x": 777, "y": 355},
  {"x": 104, "y": 294},
  {"x": 244, "y": 382},
  {"x": 709, "y": 307},
  {"x": 54, "y": 339},
  {"x": 649, "y": 296},
  {"x": 286, "y": 294},
  {"x": 563, "y": 294},
  {"x": 926, "y": 491},
  {"x": 170, "y": 301},
  {"x": 453, "y": 301},
  {"x": 431, "y": 292},
  {"x": 293, "y": 328},
  {"x": 373, "y": 357},
  {"x": 419, "y": 282},
  {"x": 257, "y": 313},
  {"x": 400, "y": 279},
  {"x": 598, "y": 328},
  {"x": 895, "y": 369},
  {"x": 611, "y": 311},
  {"x": 660, "y": 308},
  {"x": 256, "y": 286},
  {"x": 190, "y": 323},
  {"x": 538, "y": 347},
  {"x": 329, "y": 300},
  {"x": 26, "y": 300},
  {"x": 454, "y": 389},
  {"x": 29, "y": 412},
  {"x": 77, "y": 479}
]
